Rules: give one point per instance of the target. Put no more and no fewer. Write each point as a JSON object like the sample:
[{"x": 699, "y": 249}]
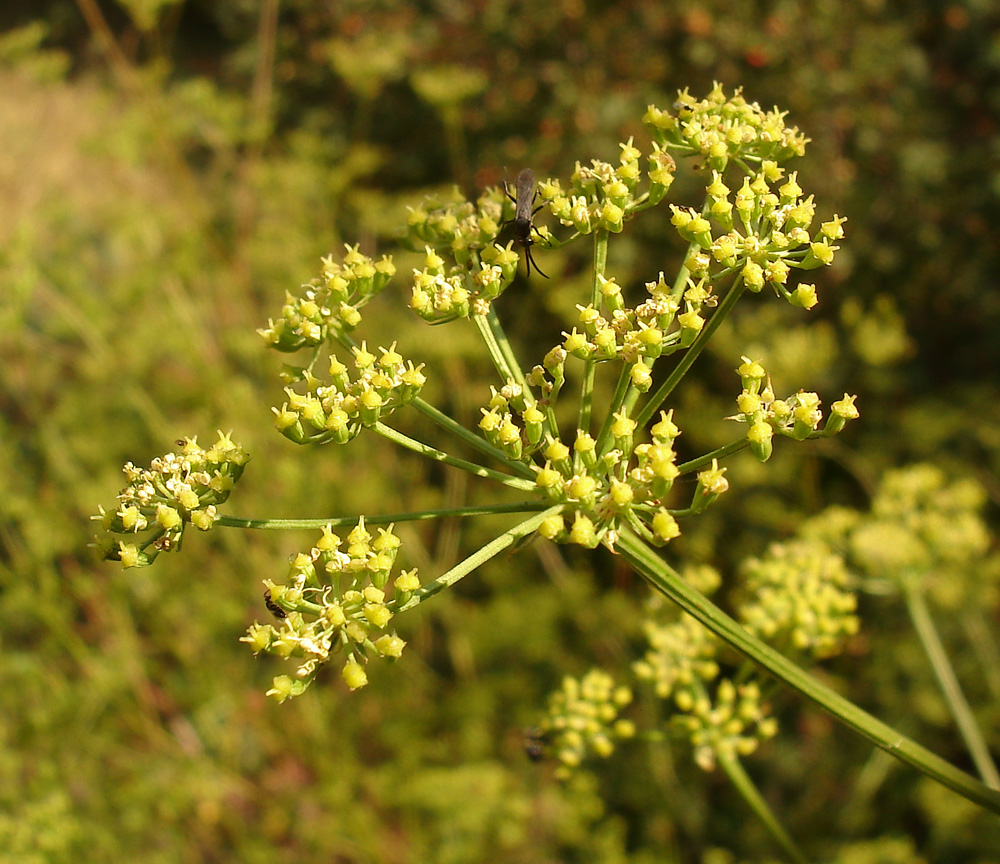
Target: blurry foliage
[{"x": 161, "y": 193}]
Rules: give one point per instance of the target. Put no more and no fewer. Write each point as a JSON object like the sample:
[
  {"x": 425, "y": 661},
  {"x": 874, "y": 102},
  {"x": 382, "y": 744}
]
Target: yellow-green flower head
[
  {"x": 802, "y": 599},
  {"x": 583, "y": 720},
  {"x": 340, "y": 604},
  {"x": 177, "y": 490}
]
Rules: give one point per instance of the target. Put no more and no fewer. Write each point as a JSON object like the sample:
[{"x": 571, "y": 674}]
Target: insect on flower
[
  {"x": 524, "y": 186},
  {"x": 535, "y": 742},
  {"x": 273, "y": 607}
]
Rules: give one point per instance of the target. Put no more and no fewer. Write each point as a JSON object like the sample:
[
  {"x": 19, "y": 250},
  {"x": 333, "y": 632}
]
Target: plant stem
[
  {"x": 666, "y": 580},
  {"x": 916, "y": 604},
  {"x": 590, "y": 365},
  {"x": 480, "y": 557},
  {"x": 451, "y": 425},
  {"x": 391, "y": 434},
  {"x": 499, "y": 347},
  {"x": 719, "y": 453},
  {"x": 978, "y": 632},
  {"x": 621, "y": 389},
  {"x": 685, "y": 363},
  {"x": 383, "y": 519},
  {"x": 746, "y": 787}
]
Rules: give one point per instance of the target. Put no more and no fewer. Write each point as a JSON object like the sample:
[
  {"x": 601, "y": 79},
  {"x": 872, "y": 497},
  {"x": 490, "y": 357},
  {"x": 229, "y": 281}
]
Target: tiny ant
[
  {"x": 524, "y": 186},
  {"x": 273, "y": 607}
]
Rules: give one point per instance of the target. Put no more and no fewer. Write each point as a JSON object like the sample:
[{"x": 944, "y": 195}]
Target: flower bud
[{"x": 354, "y": 674}]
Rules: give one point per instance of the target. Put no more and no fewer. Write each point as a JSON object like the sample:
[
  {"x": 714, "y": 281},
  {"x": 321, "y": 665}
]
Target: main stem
[{"x": 666, "y": 580}]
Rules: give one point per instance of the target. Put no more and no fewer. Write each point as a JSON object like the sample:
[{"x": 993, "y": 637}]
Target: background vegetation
[{"x": 169, "y": 168}]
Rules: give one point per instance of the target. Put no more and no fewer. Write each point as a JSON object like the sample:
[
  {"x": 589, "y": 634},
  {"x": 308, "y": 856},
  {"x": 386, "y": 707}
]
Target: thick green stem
[
  {"x": 957, "y": 703},
  {"x": 746, "y": 787},
  {"x": 666, "y": 580}
]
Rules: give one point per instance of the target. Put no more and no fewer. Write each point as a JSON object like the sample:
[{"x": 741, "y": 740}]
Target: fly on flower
[
  {"x": 273, "y": 607},
  {"x": 524, "y": 187}
]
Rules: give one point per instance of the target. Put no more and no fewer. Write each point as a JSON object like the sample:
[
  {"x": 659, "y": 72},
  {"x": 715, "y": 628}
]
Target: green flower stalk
[{"x": 609, "y": 476}]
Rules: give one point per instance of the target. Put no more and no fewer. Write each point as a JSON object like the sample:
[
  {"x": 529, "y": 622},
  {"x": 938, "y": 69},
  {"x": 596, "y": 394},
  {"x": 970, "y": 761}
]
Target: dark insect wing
[{"x": 525, "y": 188}]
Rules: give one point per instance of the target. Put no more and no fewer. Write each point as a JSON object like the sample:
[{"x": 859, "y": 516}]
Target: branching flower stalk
[{"x": 610, "y": 479}]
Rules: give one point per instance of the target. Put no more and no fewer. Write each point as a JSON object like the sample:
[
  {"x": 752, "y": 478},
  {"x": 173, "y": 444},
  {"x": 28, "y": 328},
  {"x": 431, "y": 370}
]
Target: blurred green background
[{"x": 168, "y": 168}]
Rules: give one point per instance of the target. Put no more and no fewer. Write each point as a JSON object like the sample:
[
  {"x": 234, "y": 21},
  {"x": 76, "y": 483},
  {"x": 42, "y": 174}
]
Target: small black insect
[
  {"x": 535, "y": 741},
  {"x": 524, "y": 186},
  {"x": 273, "y": 607}
]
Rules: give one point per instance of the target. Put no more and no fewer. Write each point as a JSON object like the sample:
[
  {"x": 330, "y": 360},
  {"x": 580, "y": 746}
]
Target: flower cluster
[
  {"x": 457, "y": 225},
  {"x": 797, "y": 417},
  {"x": 439, "y": 295},
  {"x": 681, "y": 665},
  {"x": 680, "y": 653},
  {"x": 607, "y": 481},
  {"x": 337, "y": 407},
  {"x": 638, "y": 336},
  {"x": 800, "y": 599},
  {"x": 762, "y": 230},
  {"x": 603, "y": 196},
  {"x": 626, "y": 484},
  {"x": 600, "y": 196},
  {"x": 723, "y": 129},
  {"x": 681, "y": 660},
  {"x": 335, "y": 411},
  {"x": 582, "y": 720},
  {"x": 922, "y": 531},
  {"x": 467, "y": 233},
  {"x": 334, "y": 600},
  {"x": 177, "y": 490},
  {"x": 732, "y": 727},
  {"x": 330, "y": 304}
]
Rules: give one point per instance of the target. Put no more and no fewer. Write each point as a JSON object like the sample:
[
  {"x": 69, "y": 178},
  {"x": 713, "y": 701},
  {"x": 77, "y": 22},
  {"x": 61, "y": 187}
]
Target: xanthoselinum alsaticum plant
[{"x": 604, "y": 477}]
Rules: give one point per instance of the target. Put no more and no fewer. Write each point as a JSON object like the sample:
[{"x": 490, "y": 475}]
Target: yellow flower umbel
[
  {"x": 801, "y": 599},
  {"x": 681, "y": 665},
  {"x": 582, "y": 720},
  {"x": 333, "y": 601},
  {"x": 159, "y": 502}
]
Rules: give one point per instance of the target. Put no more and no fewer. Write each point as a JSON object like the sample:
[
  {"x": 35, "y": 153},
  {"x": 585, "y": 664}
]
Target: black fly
[
  {"x": 273, "y": 607},
  {"x": 524, "y": 186}
]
